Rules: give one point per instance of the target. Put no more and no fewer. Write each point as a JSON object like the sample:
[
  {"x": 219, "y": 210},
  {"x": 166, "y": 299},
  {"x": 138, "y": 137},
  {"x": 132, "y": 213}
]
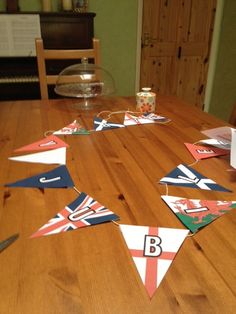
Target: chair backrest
[
  {"x": 232, "y": 118},
  {"x": 56, "y": 54}
]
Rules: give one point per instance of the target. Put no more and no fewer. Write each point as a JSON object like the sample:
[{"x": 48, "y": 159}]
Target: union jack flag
[{"x": 82, "y": 212}]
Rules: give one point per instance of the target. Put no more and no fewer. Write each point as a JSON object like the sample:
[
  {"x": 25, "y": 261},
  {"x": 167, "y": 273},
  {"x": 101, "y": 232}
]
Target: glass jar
[{"x": 146, "y": 100}]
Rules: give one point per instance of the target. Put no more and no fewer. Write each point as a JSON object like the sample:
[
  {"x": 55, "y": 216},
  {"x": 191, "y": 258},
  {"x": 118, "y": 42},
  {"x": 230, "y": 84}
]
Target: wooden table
[{"x": 90, "y": 270}]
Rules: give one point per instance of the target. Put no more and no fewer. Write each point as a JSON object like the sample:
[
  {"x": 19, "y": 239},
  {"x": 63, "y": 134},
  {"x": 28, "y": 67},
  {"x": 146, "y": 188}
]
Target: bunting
[
  {"x": 216, "y": 143},
  {"x": 154, "y": 117},
  {"x": 54, "y": 156},
  {"x": 56, "y": 178},
  {"x": 195, "y": 213},
  {"x": 185, "y": 176},
  {"x": 201, "y": 152},
  {"x": 153, "y": 250},
  {"x": 49, "y": 142},
  {"x": 73, "y": 128},
  {"x": 82, "y": 212},
  {"x": 130, "y": 119},
  {"x": 102, "y": 125}
]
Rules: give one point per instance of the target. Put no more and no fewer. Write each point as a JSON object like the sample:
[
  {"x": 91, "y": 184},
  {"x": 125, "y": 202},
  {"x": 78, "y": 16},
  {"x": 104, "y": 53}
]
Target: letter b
[{"x": 152, "y": 246}]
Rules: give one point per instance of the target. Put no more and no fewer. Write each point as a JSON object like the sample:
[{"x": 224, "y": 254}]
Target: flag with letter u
[{"x": 82, "y": 212}]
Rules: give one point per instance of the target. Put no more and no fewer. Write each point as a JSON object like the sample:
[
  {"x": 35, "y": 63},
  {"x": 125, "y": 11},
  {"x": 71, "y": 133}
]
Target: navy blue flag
[
  {"x": 56, "y": 178},
  {"x": 101, "y": 125},
  {"x": 188, "y": 177},
  {"x": 82, "y": 212}
]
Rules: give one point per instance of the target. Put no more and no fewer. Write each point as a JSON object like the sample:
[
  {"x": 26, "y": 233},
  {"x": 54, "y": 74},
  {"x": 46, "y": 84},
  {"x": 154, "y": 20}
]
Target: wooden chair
[
  {"x": 56, "y": 54},
  {"x": 232, "y": 118}
]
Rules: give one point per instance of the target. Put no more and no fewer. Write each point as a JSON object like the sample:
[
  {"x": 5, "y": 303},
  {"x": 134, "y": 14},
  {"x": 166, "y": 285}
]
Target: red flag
[
  {"x": 201, "y": 152},
  {"x": 49, "y": 142}
]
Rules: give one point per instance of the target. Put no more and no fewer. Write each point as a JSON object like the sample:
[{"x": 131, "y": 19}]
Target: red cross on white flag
[{"x": 153, "y": 250}]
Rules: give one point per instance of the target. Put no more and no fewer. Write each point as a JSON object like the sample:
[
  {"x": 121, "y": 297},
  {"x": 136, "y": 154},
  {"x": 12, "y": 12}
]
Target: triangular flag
[
  {"x": 155, "y": 117},
  {"x": 153, "y": 250},
  {"x": 101, "y": 125},
  {"x": 185, "y": 176},
  {"x": 216, "y": 143},
  {"x": 54, "y": 156},
  {"x": 56, "y": 178},
  {"x": 49, "y": 142},
  {"x": 82, "y": 212},
  {"x": 194, "y": 213},
  {"x": 130, "y": 119},
  {"x": 73, "y": 128},
  {"x": 201, "y": 152}
]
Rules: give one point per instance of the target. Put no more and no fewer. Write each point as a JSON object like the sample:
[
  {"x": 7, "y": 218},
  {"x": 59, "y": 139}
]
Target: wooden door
[{"x": 176, "y": 38}]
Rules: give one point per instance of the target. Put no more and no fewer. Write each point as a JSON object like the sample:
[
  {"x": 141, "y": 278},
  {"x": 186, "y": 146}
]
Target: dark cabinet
[{"x": 19, "y": 75}]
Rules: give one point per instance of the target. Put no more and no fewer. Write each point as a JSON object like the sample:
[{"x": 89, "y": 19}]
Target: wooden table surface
[{"x": 90, "y": 270}]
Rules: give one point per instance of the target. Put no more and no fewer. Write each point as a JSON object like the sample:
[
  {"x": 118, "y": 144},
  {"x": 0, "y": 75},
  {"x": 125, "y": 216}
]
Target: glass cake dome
[{"x": 84, "y": 80}]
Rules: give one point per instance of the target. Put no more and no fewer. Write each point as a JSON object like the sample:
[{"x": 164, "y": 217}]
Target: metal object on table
[{"x": 5, "y": 243}]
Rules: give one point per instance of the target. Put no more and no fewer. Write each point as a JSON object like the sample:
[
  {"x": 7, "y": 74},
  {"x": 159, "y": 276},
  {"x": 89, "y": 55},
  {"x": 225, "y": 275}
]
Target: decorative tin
[{"x": 146, "y": 100}]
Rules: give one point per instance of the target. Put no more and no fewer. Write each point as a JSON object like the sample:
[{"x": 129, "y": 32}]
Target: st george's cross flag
[
  {"x": 153, "y": 250},
  {"x": 73, "y": 128},
  {"x": 196, "y": 213},
  {"x": 186, "y": 176},
  {"x": 130, "y": 119},
  {"x": 49, "y": 142},
  {"x": 56, "y": 178},
  {"x": 201, "y": 152},
  {"x": 53, "y": 156},
  {"x": 102, "y": 124},
  {"x": 82, "y": 212}
]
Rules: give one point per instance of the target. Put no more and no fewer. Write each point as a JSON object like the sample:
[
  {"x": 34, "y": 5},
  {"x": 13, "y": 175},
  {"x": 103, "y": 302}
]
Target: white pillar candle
[
  {"x": 46, "y": 6},
  {"x": 67, "y": 5}
]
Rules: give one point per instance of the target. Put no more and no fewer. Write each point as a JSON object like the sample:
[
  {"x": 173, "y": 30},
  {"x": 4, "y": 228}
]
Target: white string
[
  {"x": 114, "y": 222},
  {"x": 194, "y": 163},
  {"x": 101, "y": 112},
  {"x": 49, "y": 132},
  {"x": 76, "y": 190},
  {"x": 167, "y": 191},
  {"x": 198, "y": 142},
  {"x": 191, "y": 234}
]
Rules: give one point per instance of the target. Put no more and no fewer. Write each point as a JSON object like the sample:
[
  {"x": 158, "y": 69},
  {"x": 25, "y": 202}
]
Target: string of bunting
[{"x": 85, "y": 211}]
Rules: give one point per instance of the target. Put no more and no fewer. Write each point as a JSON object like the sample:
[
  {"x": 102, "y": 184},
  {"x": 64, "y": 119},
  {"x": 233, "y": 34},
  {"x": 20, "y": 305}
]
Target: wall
[
  {"x": 116, "y": 27},
  {"x": 223, "y": 94}
]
